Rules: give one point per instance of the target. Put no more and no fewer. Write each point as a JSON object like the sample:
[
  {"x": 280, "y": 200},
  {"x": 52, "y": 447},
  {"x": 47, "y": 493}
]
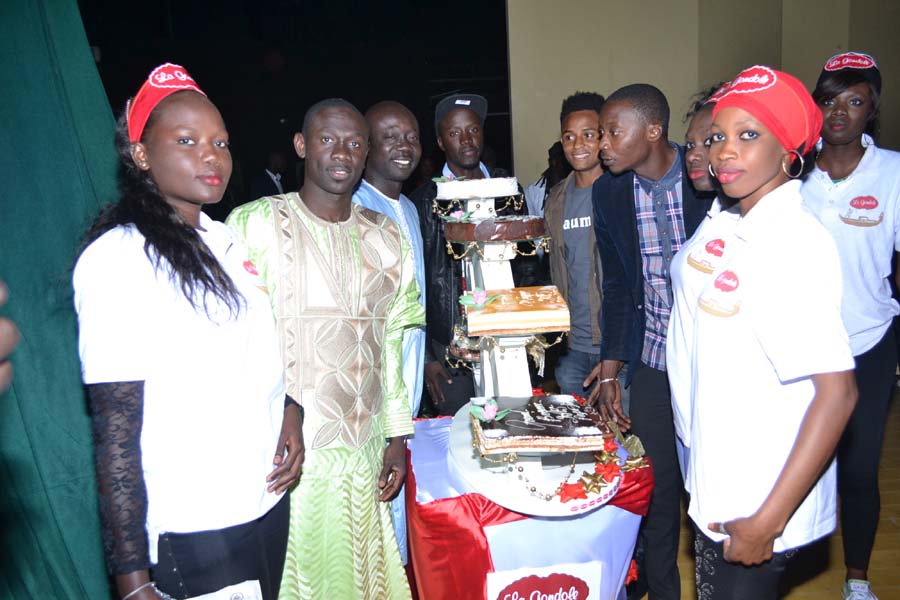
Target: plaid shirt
[{"x": 660, "y": 224}]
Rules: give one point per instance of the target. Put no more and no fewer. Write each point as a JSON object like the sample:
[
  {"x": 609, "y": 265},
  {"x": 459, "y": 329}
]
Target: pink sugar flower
[{"x": 490, "y": 411}]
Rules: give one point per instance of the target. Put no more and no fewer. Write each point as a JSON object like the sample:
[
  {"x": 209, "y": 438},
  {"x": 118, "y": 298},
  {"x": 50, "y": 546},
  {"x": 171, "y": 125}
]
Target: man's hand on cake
[
  {"x": 393, "y": 473},
  {"x": 434, "y": 374},
  {"x": 749, "y": 542},
  {"x": 606, "y": 395}
]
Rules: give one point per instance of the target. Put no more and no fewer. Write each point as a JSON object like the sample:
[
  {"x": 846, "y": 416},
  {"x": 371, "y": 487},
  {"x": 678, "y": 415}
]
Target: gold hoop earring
[
  {"x": 709, "y": 168},
  {"x": 802, "y": 166}
]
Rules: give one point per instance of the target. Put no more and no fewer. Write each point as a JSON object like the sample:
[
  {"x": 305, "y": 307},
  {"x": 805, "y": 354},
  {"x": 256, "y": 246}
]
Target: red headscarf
[
  {"x": 779, "y": 101},
  {"x": 163, "y": 81}
]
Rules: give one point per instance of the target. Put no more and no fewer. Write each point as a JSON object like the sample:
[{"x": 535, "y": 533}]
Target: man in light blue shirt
[{"x": 394, "y": 153}]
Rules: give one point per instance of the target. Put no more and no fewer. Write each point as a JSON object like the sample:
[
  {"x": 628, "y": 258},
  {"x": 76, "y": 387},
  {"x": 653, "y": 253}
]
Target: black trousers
[
  {"x": 192, "y": 564},
  {"x": 457, "y": 393},
  {"x": 652, "y": 421},
  {"x": 718, "y": 579},
  {"x": 859, "y": 451}
]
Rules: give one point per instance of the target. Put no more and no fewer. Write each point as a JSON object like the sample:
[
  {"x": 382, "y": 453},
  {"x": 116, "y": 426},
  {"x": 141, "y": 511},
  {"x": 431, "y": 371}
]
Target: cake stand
[{"x": 503, "y": 368}]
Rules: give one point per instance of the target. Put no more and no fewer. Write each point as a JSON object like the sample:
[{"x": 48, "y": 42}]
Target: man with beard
[
  {"x": 394, "y": 152},
  {"x": 343, "y": 288},
  {"x": 459, "y": 125},
  {"x": 643, "y": 213}
]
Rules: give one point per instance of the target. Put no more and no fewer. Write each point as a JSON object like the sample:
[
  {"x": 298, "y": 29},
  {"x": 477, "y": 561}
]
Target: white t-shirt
[
  {"x": 702, "y": 252},
  {"x": 213, "y": 392},
  {"x": 767, "y": 318},
  {"x": 862, "y": 212}
]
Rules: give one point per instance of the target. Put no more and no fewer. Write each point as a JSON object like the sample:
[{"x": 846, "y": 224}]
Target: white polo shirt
[
  {"x": 213, "y": 392},
  {"x": 862, "y": 212},
  {"x": 767, "y": 318},
  {"x": 702, "y": 253}
]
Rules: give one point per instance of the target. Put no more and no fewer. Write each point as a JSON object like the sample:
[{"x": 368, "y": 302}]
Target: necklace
[{"x": 511, "y": 461}]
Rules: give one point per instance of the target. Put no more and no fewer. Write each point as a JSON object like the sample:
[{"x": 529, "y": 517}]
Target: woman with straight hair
[{"x": 854, "y": 189}]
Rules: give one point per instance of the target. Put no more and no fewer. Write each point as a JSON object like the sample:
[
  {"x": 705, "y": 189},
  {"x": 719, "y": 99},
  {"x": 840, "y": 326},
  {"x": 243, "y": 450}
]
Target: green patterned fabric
[
  {"x": 57, "y": 165},
  {"x": 342, "y": 542}
]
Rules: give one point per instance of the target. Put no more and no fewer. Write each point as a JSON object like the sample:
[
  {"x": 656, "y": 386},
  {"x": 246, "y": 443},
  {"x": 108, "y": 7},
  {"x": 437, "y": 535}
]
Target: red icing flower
[
  {"x": 610, "y": 445},
  {"x": 571, "y": 491},
  {"x": 536, "y": 391},
  {"x": 250, "y": 267},
  {"x": 582, "y": 401},
  {"x": 632, "y": 572},
  {"x": 609, "y": 471}
]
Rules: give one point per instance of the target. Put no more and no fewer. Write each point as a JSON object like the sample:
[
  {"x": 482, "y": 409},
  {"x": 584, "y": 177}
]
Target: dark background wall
[{"x": 263, "y": 62}]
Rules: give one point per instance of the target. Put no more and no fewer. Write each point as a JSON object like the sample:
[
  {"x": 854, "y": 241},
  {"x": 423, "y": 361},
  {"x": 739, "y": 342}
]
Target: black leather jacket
[{"x": 443, "y": 274}]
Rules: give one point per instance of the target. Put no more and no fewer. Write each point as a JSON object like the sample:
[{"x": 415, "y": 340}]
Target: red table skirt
[{"x": 448, "y": 548}]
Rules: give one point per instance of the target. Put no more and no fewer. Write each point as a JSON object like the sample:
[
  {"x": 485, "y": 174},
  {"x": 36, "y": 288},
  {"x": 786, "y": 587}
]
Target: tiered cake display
[
  {"x": 527, "y": 447},
  {"x": 504, "y": 318}
]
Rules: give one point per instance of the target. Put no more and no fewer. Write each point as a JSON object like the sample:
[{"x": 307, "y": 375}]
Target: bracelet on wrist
[
  {"x": 607, "y": 380},
  {"x": 137, "y": 589}
]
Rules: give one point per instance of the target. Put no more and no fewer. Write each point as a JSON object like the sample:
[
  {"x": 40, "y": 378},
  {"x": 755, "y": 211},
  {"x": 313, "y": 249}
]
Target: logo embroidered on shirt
[
  {"x": 858, "y": 213},
  {"x": 251, "y": 268},
  {"x": 704, "y": 259},
  {"x": 721, "y": 301}
]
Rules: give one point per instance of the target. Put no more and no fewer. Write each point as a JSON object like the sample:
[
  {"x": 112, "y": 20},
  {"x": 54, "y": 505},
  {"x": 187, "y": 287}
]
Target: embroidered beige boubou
[{"x": 332, "y": 315}]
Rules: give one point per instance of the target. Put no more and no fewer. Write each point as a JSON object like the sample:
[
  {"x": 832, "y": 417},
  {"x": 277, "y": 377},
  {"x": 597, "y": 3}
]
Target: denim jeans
[{"x": 574, "y": 366}]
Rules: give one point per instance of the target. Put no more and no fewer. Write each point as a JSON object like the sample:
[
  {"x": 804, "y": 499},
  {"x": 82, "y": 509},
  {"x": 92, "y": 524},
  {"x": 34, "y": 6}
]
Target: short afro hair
[
  {"x": 648, "y": 101},
  {"x": 321, "y": 105},
  {"x": 580, "y": 101}
]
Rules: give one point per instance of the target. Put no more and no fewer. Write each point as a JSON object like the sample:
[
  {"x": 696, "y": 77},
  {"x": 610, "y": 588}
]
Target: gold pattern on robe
[{"x": 331, "y": 310}]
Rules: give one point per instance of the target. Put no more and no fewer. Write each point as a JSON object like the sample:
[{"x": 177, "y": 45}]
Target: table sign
[{"x": 573, "y": 581}]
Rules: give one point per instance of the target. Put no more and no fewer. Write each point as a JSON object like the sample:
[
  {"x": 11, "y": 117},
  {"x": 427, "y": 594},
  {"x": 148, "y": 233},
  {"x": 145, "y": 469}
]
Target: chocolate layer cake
[
  {"x": 501, "y": 229},
  {"x": 541, "y": 424}
]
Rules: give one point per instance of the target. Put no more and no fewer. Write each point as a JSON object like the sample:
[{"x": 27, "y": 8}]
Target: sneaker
[{"x": 857, "y": 589}]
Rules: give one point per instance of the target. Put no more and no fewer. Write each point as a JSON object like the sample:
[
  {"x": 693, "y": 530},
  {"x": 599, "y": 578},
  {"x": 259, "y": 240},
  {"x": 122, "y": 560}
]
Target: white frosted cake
[
  {"x": 497, "y": 187},
  {"x": 520, "y": 311}
]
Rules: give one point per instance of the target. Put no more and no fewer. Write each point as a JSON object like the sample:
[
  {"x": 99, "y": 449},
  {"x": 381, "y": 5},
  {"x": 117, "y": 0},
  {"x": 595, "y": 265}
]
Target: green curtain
[{"x": 57, "y": 166}]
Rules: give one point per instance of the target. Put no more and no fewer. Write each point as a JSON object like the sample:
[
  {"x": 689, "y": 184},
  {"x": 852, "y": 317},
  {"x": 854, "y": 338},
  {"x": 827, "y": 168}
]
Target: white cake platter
[{"x": 495, "y": 481}]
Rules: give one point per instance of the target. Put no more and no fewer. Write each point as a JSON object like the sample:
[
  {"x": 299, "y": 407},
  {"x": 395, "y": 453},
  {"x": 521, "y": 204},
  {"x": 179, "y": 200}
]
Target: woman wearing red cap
[
  {"x": 771, "y": 374},
  {"x": 180, "y": 356},
  {"x": 855, "y": 191}
]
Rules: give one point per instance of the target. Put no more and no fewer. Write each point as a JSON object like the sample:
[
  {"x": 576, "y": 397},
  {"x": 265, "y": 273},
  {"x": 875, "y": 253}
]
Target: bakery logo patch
[
  {"x": 850, "y": 60},
  {"x": 557, "y": 586},
  {"x": 704, "y": 258},
  {"x": 169, "y": 76},
  {"x": 251, "y": 268},
  {"x": 754, "y": 79},
  {"x": 861, "y": 212},
  {"x": 724, "y": 299}
]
